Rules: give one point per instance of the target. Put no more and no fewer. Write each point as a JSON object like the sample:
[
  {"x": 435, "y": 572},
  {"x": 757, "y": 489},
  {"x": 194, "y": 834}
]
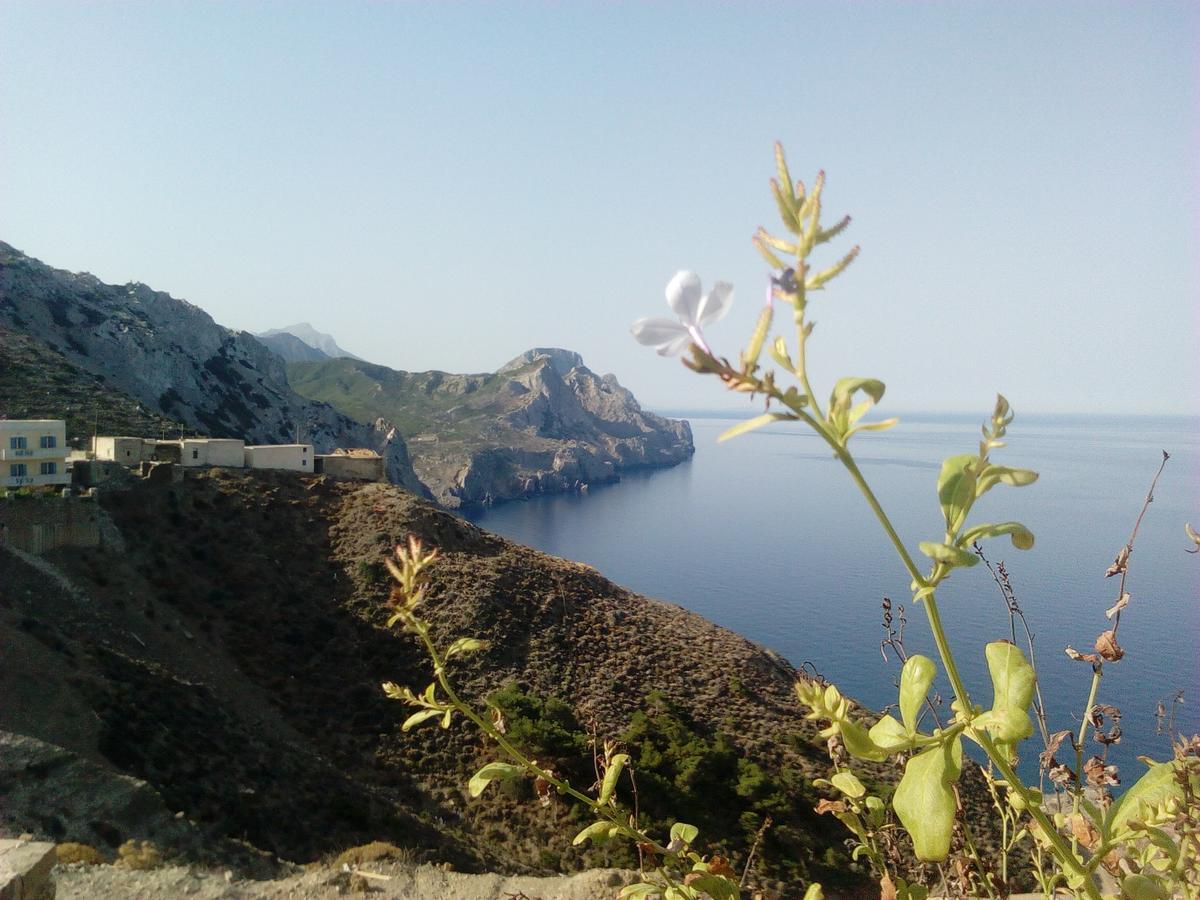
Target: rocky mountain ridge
[
  {"x": 171, "y": 357},
  {"x": 542, "y": 423}
]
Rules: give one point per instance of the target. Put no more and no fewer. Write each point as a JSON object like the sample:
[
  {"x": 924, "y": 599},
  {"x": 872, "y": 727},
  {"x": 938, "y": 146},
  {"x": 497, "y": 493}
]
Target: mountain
[
  {"x": 226, "y": 648},
  {"x": 37, "y": 382},
  {"x": 543, "y": 423},
  {"x": 311, "y": 337},
  {"x": 290, "y": 347},
  {"x": 174, "y": 360}
]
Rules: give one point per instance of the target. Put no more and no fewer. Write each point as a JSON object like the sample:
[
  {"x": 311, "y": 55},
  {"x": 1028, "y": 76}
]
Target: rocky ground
[{"x": 382, "y": 879}]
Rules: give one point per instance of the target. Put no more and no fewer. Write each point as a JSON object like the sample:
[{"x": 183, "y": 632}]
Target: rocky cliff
[
  {"x": 171, "y": 357},
  {"x": 543, "y": 423}
]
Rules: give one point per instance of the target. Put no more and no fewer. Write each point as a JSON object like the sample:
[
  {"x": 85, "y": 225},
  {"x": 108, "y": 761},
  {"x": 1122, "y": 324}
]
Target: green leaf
[
  {"x": 715, "y": 886},
  {"x": 418, "y": 717},
  {"x": 1143, "y": 887},
  {"x": 597, "y": 831},
  {"x": 858, "y": 742},
  {"x": 951, "y": 556},
  {"x": 1156, "y": 785},
  {"x": 465, "y": 645},
  {"x": 993, "y": 475},
  {"x": 1022, "y": 537},
  {"x": 890, "y": 735},
  {"x": 814, "y": 892},
  {"x": 1013, "y": 681},
  {"x": 751, "y": 424},
  {"x": 956, "y": 488},
  {"x": 641, "y": 889},
  {"x": 915, "y": 679},
  {"x": 491, "y": 772},
  {"x": 924, "y": 799},
  {"x": 681, "y": 831},
  {"x": 848, "y": 784},
  {"x": 779, "y": 352},
  {"x": 845, "y": 388},
  {"x": 882, "y": 425},
  {"x": 611, "y": 775}
]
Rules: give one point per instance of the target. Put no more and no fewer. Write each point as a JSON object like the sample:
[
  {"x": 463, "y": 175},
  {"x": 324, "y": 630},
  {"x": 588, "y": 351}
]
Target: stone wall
[{"x": 44, "y": 523}]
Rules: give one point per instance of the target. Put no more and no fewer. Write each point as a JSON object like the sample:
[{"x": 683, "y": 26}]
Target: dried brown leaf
[
  {"x": 1121, "y": 563},
  {"x": 718, "y": 865},
  {"x": 1122, "y": 602},
  {"x": 1099, "y": 774},
  {"x": 1046, "y": 758},
  {"x": 1084, "y": 832},
  {"x": 1107, "y": 646},
  {"x": 830, "y": 806},
  {"x": 1061, "y": 774},
  {"x": 1082, "y": 657},
  {"x": 887, "y": 887}
]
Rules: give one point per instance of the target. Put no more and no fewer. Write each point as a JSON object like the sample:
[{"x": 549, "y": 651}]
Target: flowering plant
[{"x": 1125, "y": 836}]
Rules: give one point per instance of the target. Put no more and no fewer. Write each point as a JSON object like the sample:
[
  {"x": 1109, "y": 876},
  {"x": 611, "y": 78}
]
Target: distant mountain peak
[
  {"x": 562, "y": 361},
  {"x": 318, "y": 340}
]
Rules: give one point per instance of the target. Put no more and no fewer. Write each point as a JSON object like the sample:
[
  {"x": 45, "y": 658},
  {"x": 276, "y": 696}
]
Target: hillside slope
[
  {"x": 231, "y": 654},
  {"x": 37, "y": 382},
  {"x": 177, "y": 362},
  {"x": 542, "y": 423}
]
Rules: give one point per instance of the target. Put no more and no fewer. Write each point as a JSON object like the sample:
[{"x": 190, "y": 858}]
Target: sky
[{"x": 445, "y": 185}]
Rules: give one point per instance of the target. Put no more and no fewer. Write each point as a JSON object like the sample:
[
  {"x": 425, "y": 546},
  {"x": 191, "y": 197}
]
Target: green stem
[{"x": 1097, "y": 672}]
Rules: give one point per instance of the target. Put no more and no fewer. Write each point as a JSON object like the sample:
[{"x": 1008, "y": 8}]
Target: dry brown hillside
[{"x": 230, "y": 654}]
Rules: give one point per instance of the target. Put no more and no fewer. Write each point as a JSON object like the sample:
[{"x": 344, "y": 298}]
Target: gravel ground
[{"x": 379, "y": 879}]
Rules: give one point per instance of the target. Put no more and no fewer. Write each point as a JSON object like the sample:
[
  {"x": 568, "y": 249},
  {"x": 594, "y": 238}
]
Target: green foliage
[{"x": 545, "y": 727}]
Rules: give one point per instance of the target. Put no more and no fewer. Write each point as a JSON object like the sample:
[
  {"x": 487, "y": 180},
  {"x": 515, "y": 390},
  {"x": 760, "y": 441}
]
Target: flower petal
[
  {"x": 715, "y": 303},
  {"x": 683, "y": 296},
  {"x": 656, "y": 332},
  {"x": 676, "y": 346}
]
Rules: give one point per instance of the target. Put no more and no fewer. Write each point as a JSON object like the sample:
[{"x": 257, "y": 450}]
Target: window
[
  {"x": 49, "y": 468},
  {"x": 48, "y": 441},
  {"x": 17, "y": 443},
  {"x": 195, "y": 454},
  {"x": 16, "y": 470}
]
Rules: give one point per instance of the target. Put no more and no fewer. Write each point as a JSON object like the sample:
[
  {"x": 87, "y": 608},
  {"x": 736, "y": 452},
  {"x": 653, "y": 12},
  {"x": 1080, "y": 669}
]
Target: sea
[{"x": 767, "y": 535}]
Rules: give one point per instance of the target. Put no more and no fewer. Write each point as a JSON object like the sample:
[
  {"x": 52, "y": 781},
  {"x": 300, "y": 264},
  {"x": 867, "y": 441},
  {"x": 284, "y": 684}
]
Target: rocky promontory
[{"x": 543, "y": 423}]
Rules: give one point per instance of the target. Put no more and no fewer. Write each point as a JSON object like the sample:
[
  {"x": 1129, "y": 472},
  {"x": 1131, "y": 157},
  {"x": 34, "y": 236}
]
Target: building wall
[
  {"x": 357, "y": 468},
  {"x": 293, "y": 457},
  {"x": 33, "y": 452},
  {"x": 227, "y": 452},
  {"x": 41, "y": 524},
  {"x": 128, "y": 451}
]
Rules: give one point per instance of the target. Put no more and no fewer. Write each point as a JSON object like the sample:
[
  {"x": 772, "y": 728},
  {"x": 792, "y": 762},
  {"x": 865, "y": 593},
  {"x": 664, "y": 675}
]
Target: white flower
[{"x": 695, "y": 310}]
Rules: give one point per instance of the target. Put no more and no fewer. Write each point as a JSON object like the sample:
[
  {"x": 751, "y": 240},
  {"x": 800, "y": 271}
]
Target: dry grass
[
  {"x": 71, "y": 852},
  {"x": 375, "y": 852},
  {"x": 138, "y": 856}
]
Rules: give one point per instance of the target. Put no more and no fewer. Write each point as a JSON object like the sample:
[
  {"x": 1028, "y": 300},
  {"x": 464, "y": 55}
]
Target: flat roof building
[{"x": 33, "y": 452}]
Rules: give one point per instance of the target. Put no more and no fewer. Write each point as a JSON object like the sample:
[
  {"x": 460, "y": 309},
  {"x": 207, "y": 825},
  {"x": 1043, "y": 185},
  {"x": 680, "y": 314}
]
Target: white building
[
  {"x": 293, "y": 457},
  {"x": 228, "y": 452},
  {"x": 33, "y": 452},
  {"x": 129, "y": 451}
]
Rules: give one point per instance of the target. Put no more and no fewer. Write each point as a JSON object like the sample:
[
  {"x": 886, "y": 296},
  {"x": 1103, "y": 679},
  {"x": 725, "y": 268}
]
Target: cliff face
[
  {"x": 176, "y": 361},
  {"x": 543, "y": 423}
]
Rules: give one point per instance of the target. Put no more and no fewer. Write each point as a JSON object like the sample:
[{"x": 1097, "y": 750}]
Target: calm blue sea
[{"x": 767, "y": 536}]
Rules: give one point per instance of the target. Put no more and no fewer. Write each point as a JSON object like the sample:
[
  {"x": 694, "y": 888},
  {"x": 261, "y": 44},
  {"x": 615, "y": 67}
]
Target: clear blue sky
[{"x": 445, "y": 185}]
